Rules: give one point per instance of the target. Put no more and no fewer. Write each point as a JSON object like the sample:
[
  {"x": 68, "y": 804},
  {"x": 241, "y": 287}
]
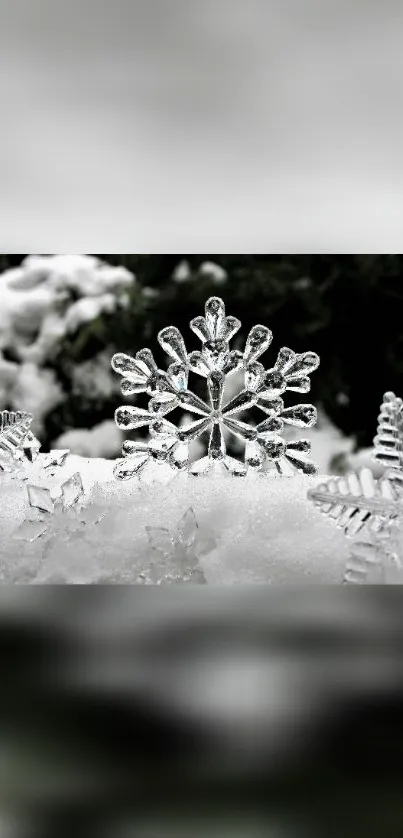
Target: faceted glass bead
[{"x": 259, "y": 339}]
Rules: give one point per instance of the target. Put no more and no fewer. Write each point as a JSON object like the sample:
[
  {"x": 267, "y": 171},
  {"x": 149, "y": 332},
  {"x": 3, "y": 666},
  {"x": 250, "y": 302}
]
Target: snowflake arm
[
  {"x": 17, "y": 441},
  {"x": 263, "y": 389},
  {"x": 388, "y": 443},
  {"x": 360, "y": 501}
]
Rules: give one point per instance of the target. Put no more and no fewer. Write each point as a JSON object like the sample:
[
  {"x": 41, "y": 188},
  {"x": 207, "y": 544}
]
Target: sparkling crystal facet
[
  {"x": 72, "y": 490},
  {"x": 40, "y": 498},
  {"x": 170, "y": 391}
]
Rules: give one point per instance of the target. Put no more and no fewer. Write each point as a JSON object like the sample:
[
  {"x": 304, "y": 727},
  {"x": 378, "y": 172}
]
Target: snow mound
[{"x": 265, "y": 529}]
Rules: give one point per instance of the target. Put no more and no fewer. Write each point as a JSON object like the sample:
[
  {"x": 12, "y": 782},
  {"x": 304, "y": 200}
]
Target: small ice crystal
[{"x": 179, "y": 552}]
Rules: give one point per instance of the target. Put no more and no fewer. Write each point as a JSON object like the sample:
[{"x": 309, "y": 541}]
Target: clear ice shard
[
  {"x": 57, "y": 524},
  {"x": 263, "y": 389},
  {"x": 361, "y": 503},
  {"x": 17, "y": 442},
  {"x": 177, "y": 553}
]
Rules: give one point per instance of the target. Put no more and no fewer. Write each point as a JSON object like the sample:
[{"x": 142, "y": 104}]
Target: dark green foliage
[{"x": 349, "y": 309}]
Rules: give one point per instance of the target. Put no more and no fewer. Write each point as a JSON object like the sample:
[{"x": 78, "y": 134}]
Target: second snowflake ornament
[{"x": 264, "y": 444}]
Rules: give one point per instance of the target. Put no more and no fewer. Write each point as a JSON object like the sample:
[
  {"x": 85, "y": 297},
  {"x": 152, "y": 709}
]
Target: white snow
[
  {"x": 43, "y": 301},
  {"x": 266, "y": 529},
  {"x": 94, "y": 379},
  {"x": 36, "y": 390},
  {"x": 182, "y": 272},
  {"x": 103, "y": 440},
  {"x": 214, "y": 272},
  {"x": 48, "y": 297}
]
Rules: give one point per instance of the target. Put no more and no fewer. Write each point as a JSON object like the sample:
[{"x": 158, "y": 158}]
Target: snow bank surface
[{"x": 263, "y": 530}]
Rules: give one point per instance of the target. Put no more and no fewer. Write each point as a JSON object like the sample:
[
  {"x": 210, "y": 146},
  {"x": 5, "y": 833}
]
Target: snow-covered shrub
[
  {"x": 103, "y": 440},
  {"x": 49, "y": 297},
  {"x": 44, "y": 303}
]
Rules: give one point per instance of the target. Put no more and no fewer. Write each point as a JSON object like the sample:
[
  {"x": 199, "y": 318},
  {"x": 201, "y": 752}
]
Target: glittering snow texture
[{"x": 265, "y": 529}]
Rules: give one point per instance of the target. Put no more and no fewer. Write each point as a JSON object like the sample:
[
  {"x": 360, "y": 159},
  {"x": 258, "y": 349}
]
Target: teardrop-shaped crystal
[
  {"x": 129, "y": 388},
  {"x": 216, "y": 387},
  {"x": 162, "y": 403},
  {"x": 178, "y": 375},
  {"x": 162, "y": 427},
  {"x": 305, "y": 466},
  {"x": 216, "y": 449},
  {"x": 254, "y": 376},
  {"x": 215, "y": 317},
  {"x": 272, "y": 425},
  {"x": 242, "y": 401},
  {"x": 193, "y": 403},
  {"x": 259, "y": 339},
  {"x": 215, "y": 354},
  {"x": 199, "y": 326},
  {"x": 285, "y": 359},
  {"x": 297, "y": 384},
  {"x": 128, "y": 467},
  {"x": 234, "y": 362},
  {"x": 240, "y": 429},
  {"x": 274, "y": 448},
  {"x": 273, "y": 383},
  {"x": 131, "y": 447},
  {"x": 129, "y": 417},
  {"x": 304, "y": 364},
  {"x": 173, "y": 344},
  {"x": 198, "y": 364},
  {"x": 127, "y": 366},
  {"x": 230, "y": 327},
  {"x": 254, "y": 455},
  {"x": 145, "y": 356},
  {"x": 302, "y": 415},
  {"x": 302, "y": 446}
]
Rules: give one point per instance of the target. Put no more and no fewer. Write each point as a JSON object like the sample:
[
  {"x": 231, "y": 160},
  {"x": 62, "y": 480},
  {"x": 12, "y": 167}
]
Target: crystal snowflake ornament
[
  {"x": 18, "y": 445},
  {"x": 59, "y": 519},
  {"x": 358, "y": 502},
  {"x": 264, "y": 443},
  {"x": 178, "y": 553}
]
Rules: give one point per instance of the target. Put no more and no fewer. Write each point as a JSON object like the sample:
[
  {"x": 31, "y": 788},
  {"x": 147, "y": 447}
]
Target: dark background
[{"x": 349, "y": 309}]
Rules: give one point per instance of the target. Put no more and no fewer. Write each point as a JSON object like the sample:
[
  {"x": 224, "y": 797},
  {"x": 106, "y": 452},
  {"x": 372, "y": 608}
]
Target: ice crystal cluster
[
  {"x": 264, "y": 444},
  {"x": 57, "y": 524},
  {"x": 176, "y": 554},
  {"x": 360, "y": 502},
  {"x": 17, "y": 442}
]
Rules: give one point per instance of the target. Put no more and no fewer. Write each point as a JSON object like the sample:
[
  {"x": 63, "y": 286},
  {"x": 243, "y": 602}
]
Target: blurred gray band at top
[{"x": 267, "y": 125}]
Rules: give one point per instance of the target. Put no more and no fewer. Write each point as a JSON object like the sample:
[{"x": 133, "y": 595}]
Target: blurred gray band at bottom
[{"x": 220, "y": 712}]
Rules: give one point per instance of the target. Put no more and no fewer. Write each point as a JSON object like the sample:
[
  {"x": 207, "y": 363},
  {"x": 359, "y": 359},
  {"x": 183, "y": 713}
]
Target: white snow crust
[{"x": 266, "y": 529}]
